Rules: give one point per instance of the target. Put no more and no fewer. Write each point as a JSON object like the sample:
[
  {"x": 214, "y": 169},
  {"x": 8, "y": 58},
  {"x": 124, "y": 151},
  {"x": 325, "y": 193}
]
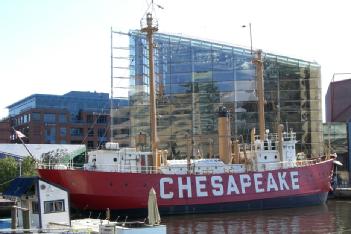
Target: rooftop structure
[{"x": 73, "y": 101}]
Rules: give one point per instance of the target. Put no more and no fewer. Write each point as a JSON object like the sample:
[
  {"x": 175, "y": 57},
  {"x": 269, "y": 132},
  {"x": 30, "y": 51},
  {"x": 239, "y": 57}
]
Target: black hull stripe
[{"x": 264, "y": 204}]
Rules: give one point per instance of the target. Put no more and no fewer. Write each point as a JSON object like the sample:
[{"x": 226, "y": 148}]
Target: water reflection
[{"x": 330, "y": 218}]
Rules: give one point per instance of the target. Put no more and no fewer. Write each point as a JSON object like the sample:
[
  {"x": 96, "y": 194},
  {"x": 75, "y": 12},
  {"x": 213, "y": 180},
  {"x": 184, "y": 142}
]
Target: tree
[
  {"x": 8, "y": 171},
  {"x": 53, "y": 157},
  {"x": 79, "y": 160},
  {"x": 29, "y": 166}
]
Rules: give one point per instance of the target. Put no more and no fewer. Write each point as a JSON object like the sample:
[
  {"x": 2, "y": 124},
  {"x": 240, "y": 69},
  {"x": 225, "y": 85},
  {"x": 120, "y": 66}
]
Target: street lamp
[
  {"x": 20, "y": 167},
  {"x": 244, "y": 26}
]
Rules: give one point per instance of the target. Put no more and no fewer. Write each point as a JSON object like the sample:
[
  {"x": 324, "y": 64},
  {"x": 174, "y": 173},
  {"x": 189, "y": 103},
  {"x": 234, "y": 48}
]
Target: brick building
[
  {"x": 337, "y": 101},
  {"x": 73, "y": 118},
  {"x": 5, "y": 130}
]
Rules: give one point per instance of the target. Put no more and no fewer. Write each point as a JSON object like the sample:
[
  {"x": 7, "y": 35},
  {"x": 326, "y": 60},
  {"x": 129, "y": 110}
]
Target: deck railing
[{"x": 175, "y": 169}]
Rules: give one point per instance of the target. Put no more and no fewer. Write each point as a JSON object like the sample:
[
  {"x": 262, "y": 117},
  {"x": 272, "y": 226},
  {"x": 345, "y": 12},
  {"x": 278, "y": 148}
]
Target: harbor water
[
  {"x": 333, "y": 217},
  {"x": 5, "y": 223}
]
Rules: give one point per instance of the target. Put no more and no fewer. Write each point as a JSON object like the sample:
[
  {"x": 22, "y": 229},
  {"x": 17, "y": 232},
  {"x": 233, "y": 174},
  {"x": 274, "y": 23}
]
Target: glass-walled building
[
  {"x": 195, "y": 77},
  {"x": 337, "y": 140}
]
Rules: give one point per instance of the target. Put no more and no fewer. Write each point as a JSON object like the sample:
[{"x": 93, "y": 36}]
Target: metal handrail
[{"x": 157, "y": 170}]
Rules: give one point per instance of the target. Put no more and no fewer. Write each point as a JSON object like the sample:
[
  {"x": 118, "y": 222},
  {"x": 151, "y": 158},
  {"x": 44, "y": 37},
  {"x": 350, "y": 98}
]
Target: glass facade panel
[
  {"x": 336, "y": 139},
  {"x": 194, "y": 78}
]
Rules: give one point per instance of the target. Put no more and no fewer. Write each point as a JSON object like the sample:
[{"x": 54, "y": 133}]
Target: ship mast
[
  {"x": 150, "y": 29},
  {"x": 260, "y": 92}
]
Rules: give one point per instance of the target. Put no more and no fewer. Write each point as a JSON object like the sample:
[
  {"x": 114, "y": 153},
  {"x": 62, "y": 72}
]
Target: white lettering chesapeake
[
  {"x": 232, "y": 187},
  {"x": 258, "y": 182},
  {"x": 163, "y": 194},
  {"x": 200, "y": 187},
  {"x": 245, "y": 182},
  {"x": 271, "y": 184},
  {"x": 216, "y": 182},
  {"x": 294, "y": 180},
  {"x": 282, "y": 182},
  {"x": 182, "y": 187}
]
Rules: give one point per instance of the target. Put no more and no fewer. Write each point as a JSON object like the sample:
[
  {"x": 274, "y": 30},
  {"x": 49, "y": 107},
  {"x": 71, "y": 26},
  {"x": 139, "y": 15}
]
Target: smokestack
[{"x": 224, "y": 141}]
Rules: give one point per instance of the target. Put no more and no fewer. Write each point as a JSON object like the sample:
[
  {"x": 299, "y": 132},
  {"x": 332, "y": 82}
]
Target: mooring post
[
  {"x": 13, "y": 217},
  {"x": 26, "y": 220}
]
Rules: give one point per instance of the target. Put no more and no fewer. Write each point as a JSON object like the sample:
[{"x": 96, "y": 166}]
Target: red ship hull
[{"x": 178, "y": 194}]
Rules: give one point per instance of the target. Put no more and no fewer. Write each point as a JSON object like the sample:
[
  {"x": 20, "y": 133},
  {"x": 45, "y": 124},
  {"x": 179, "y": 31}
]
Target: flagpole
[{"x": 23, "y": 143}]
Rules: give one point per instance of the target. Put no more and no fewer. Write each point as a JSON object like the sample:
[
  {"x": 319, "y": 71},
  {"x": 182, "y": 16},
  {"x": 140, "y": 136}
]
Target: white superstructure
[{"x": 261, "y": 155}]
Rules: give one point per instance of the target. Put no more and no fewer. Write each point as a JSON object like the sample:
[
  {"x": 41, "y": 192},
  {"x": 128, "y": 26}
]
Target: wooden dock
[{"x": 342, "y": 193}]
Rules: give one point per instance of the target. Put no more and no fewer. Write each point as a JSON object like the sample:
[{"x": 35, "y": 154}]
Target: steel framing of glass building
[
  {"x": 195, "y": 77},
  {"x": 337, "y": 138}
]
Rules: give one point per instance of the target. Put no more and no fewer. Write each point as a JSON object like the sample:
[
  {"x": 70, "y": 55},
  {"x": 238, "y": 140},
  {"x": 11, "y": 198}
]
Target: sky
[{"x": 57, "y": 46}]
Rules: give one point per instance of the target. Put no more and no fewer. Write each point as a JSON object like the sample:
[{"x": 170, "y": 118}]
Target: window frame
[{"x": 52, "y": 206}]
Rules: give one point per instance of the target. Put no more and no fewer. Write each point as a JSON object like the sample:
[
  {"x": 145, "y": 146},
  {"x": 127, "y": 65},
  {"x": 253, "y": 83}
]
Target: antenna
[{"x": 150, "y": 10}]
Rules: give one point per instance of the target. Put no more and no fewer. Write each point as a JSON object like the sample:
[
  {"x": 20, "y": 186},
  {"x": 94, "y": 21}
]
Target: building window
[
  {"x": 54, "y": 206},
  {"x": 63, "y": 132},
  {"x": 101, "y": 132},
  {"x": 49, "y": 118},
  {"x": 36, "y": 116},
  {"x": 62, "y": 118},
  {"x": 90, "y": 118},
  {"x": 102, "y": 119},
  {"x": 91, "y": 132},
  {"x": 76, "y": 131},
  {"x": 120, "y": 120},
  {"x": 50, "y": 135},
  {"x": 125, "y": 131},
  {"x": 90, "y": 144},
  {"x": 25, "y": 118},
  {"x": 35, "y": 207}
]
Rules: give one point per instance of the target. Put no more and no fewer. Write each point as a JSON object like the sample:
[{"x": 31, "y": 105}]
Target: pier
[{"x": 342, "y": 193}]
